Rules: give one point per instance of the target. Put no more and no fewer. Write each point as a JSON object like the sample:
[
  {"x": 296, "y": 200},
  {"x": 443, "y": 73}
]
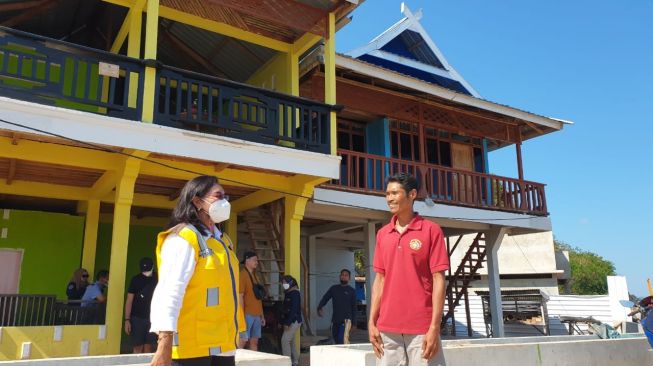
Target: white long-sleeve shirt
[{"x": 177, "y": 267}]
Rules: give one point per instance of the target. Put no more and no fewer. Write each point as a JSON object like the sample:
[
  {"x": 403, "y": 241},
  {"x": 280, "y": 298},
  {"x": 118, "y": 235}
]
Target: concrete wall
[
  {"x": 536, "y": 351},
  {"x": 243, "y": 358},
  {"x": 330, "y": 259},
  {"x": 518, "y": 254}
]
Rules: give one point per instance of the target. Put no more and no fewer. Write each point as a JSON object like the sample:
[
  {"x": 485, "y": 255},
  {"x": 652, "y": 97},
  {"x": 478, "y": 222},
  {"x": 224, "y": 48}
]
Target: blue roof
[
  {"x": 411, "y": 45},
  {"x": 407, "y": 48},
  {"x": 416, "y": 73}
]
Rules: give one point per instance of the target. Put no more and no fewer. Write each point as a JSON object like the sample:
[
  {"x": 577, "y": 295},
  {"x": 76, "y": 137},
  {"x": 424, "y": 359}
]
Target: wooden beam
[
  {"x": 135, "y": 9},
  {"x": 184, "y": 49},
  {"x": 12, "y": 171},
  {"x": 105, "y": 184},
  {"x": 45, "y": 190},
  {"x": 50, "y": 153},
  {"x": 255, "y": 199},
  {"x": 221, "y": 166},
  {"x": 310, "y": 15},
  {"x": 214, "y": 26},
  {"x": 37, "y": 9},
  {"x": 332, "y": 227},
  {"x": 20, "y": 5}
]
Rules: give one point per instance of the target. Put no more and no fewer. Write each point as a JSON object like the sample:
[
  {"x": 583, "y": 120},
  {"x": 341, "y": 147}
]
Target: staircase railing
[{"x": 459, "y": 282}]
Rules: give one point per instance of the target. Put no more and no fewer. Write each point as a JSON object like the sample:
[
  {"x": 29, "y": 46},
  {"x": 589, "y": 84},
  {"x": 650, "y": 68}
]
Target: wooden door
[
  {"x": 462, "y": 158},
  {"x": 10, "y": 263}
]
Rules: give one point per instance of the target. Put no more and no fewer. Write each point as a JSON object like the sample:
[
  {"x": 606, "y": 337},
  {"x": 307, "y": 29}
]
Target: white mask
[
  {"x": 148, "y": 273},
  {"x": 220, "y": 211},
  {"x": 286, "y": 286}
]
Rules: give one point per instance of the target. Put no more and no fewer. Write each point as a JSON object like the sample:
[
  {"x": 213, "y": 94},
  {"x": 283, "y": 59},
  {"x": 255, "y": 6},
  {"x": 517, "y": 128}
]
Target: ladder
[
  {"x": 267, "y": 243},
  {"x": 263, "y": 225}
]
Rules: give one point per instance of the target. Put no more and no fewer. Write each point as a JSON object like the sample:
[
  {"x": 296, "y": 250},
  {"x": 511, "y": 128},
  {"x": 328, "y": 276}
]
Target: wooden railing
[
  {"x": 190, "y": 100},
  {"x": 21, "y": 310},
  {"x": 368, "y": 173},
  {"x": 48, "y": 71}
]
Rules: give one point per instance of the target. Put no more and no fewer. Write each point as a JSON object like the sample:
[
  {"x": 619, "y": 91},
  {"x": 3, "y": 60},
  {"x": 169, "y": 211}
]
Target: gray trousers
[
  {"x": 288, "y": 343},
  {"x": 406, "y": 350}
]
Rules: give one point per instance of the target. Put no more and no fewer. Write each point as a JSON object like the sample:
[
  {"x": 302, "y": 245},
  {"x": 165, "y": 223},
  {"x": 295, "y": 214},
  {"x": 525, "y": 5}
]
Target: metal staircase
[{"x": 459, "y": 282}]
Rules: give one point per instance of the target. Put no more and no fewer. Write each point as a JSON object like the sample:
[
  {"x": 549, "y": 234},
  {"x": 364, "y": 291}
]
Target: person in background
[
  {"x": 291, "y": 318},
  {"x": 251, "y": 296},
  {"x": 94, "y": 293},
  {"x": 137, "y": 307},
  {"x": 77, "y": 286},
  {"x": 195, "y": 308},
  {"x": 343, "y": 299}
]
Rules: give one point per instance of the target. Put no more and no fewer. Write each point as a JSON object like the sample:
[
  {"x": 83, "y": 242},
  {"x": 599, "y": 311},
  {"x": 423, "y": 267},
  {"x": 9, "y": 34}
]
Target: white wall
[
  {"x": 330, "y": 259},
  {"x": 518, "y": 254}
]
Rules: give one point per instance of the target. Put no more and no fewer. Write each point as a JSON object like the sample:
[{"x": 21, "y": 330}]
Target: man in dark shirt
[
  {"x": 343, "y": 299},
  {"x": 137, "y": 308}
]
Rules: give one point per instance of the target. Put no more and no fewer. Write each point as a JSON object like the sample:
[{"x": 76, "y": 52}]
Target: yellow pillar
[
  {"x": 120, "y": 237},
  {"x": 151, "y": 36},
  {"x": 232, "y": 229},
  {"x": 134, "y": 50},
  {"x": 293, "y": 213},
  {"x": 90, "y": 235},
  {"x": 330, "y": 78},
  {"x": 292, "y": 69}
]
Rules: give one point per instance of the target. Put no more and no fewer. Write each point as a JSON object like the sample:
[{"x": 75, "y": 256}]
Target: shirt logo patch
[{"x": 415, "y": 244}]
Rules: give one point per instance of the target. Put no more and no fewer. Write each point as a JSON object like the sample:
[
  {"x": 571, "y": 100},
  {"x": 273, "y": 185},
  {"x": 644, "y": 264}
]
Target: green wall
[
  {"x": 52, "y": 245},
  {"x": 142, "y": 243}
]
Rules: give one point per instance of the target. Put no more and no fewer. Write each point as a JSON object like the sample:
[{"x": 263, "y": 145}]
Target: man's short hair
[
  {"x": 405, "y": 180},
  {"x": 346, "y": 270},
  {"x": 102, "y": 274}
]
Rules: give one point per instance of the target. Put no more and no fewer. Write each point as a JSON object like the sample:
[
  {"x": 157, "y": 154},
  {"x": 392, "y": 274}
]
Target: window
[
  {"x": 404, "y": 140},
  {"x": 438, "y": 147},
  {"x": 351, "y": 135}
]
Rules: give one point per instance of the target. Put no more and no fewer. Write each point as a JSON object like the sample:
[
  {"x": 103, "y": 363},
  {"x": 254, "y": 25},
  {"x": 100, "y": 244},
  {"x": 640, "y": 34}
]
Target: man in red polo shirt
[{"x": 408, "y": 291}]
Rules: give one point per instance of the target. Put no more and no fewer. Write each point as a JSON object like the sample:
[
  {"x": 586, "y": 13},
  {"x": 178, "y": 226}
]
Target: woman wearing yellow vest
[{"x": 195, "y": 308}]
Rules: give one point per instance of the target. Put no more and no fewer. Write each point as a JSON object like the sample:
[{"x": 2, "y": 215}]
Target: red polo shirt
[{"x": 408, "y": 261}]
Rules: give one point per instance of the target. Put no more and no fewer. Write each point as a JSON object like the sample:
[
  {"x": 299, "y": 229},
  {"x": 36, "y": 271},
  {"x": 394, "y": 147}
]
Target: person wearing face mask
[
  {"x": 195, "y": 307},
  {"x": 137, "y": 307},
  {"x": 291, "y": 318},
  {"x": 343, "y": 299}
]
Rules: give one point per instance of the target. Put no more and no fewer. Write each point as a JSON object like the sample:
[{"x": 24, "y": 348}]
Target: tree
[
  {"x": 589, "y": 270},
  {"x": 360, "y": 262}
]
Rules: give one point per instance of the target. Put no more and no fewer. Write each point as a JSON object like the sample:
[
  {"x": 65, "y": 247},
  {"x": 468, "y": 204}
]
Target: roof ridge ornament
[{"x": 409, "y": 14}]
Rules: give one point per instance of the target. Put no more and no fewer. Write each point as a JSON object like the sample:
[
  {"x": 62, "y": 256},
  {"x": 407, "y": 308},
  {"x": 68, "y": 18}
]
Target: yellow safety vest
[{"x": 211, "y": 316}]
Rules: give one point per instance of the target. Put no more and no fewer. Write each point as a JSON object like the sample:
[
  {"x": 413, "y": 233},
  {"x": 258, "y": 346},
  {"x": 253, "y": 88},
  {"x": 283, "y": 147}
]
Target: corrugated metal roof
[
  {"x": 233, "y": 59},
  {"x": 453, "y": 91}
]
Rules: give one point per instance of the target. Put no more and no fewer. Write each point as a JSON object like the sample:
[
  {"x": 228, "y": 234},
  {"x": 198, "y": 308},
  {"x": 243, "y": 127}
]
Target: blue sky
[{"x": 590, "y": 62}]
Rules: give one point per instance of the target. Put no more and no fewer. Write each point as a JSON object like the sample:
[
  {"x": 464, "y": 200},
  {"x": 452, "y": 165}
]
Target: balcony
[
  {"x": 47, "y": 71},
  {"x": 366, "y": 173}
]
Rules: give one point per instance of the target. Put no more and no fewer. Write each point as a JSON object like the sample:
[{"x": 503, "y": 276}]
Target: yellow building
[{"x": 108, "y": 107}]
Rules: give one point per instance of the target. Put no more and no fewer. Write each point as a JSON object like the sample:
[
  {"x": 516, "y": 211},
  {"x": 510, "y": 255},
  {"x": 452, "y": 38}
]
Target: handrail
[
  {"x": 235, "y": 84},
  {"x": 186, "y": 99},
  {"x": 367, "y": 173},
  {"x": 53, "y": 72}
]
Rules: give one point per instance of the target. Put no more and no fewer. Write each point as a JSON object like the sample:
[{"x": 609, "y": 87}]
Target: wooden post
[{"x": 520, "y": 169}]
